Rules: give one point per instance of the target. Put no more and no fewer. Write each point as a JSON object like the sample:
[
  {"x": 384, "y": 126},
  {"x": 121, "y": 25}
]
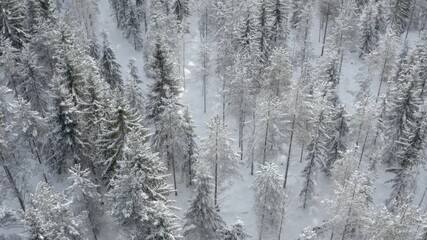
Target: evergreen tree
[
  {"x": 133, "y": 92},
  {"x": 132, "y": 28},
  {"x": 181, "y": 9},
  {"x": 114, "y": 136},
  {"x": 85, "y": 200},
  {"x": 350, "y": 214},
  {"x": 369, "y": 28},
  {"x": 110, "y": 69},
  {"x": 32, "y": 81},
  {"x": 53, "y": 216},
  {"x": 397, "y": 224},
  {"x": 202, "y": 221},
  {"x": 218, "y": 154},
  {"x": 399, "y": 14},
  {"x": 139, "y": 189},
  {"x": 269, "y": 197},
  {"x": 12, "y": 22},
  {"x": 279, "y": 26},
  {"x": 316, "y": 153},
  {"x": 68, "y": 144},
  {"x": 336, "y": 142},
  {"x": 235, "y": 232},
  {"x": 165, "y": 84},
  {"x": 191, "y": 155}
]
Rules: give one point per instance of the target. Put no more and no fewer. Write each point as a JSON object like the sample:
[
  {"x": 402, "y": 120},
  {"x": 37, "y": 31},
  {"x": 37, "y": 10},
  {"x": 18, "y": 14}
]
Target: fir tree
[
  {"x": 235, "y": 232},
  {"x": 55, "y": 217},
  {"x": 191, "y": 155},
  {"x": 369, "y": 28},
  {"x": 202, "y": 221},
  {"x": 110, "y": 69},
  {"x": 218, "y": 154},
  {"x": 114, "y": 137},
  {"x": 12, "y": 22},
  {"x": 132, "y": 28},
  {"x": 85, "y": 199},
  {"x": 181, "y": 9},
  {"x": 133, "y": 92},
  {"x": 269, "y": 197},
  {"x": 68, "y": 144},
  {"x": 165, "y": 84},
  {"x": 399, "y": 14}
]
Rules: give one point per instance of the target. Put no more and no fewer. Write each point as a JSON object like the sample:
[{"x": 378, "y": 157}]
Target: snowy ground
[{"x": 237, "y": 201}]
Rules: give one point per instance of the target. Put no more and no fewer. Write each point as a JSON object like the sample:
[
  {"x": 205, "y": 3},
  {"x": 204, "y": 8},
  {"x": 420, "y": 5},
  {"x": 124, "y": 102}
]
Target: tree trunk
[
  {"x": 289, "y": 151},
  {"x": 302, "y": 152},
  {"x": 281, "y": 221},
  {"x": 12, "y": 182},
  {"x": 183, "y": 55},
  {"x": 266, "y": 138},
  {"x": 35, "y": 151},
  {"x": 363, "y": 148},
  {"x": 216, "y": 185},
  {"x": 326, "y": 29},
  {"x": 410, "y": 19}
]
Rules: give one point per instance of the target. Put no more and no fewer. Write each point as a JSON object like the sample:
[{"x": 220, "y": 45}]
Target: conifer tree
[
  {"x": 12, "y": 22},
  {"x": 269, "y": 197},
  {"x": 369, "y": 28},
  {"x": 110, "y": 68},
  {"x": 316, "y": 153},
  {"x": 165, "y": 84},
  {"x": 133, "y": 92},
  {"x": 138, "y": 194},
  {"x": 399, "y": 14},
  {"x": 218, "y": 154},
  {"x": 32, "y": 81},
  {"x": 191, "y": 154},
  {"x": 114, "y": 136},
  {"x": 68, "y": 144},
  {"x": 55, "y": 218},
  {"x": 350, "y": 214},
  {"x": 85, "y": 200},
  {"x": 132, "y": 28},
  {"x": 181, "y": 9},
  {"x": 202, "y": 221},
  {"x": 235, "y": 232}
]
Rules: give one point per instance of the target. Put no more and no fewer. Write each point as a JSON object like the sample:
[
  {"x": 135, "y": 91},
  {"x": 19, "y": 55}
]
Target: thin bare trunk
[
  {"x": 326, "y": 29},
  {"x": 12, "y": 182}
]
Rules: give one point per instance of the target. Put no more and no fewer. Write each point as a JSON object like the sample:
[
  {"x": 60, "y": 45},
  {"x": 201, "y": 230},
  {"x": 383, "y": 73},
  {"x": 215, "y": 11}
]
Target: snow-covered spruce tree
[
  {"x": 219, "y": 155},
  {"x": 202, "y": 221},
  {"x": 399, "y": 14},
  {"x": 308, "y": 234},
  {"x": 12, "y": 22},
  {"x": 368, "y": 26},
  {"x": 337, "y": 134},
  {"x": 206, "y": 69},
  {"x": 31, "y": 128},
  {"x": 181, "y": 9},
  {"x": 270, "y": 125},
  {"x": 191, "y": 153},
  {"x": 303, "y": 34},
  {"x": 279, "y": 72},
  {"x": 110, "y": 68},
  {"x": 346, "y": 166},
  {"x": 114, "y": 136},
  {"x": 350, "y": 213},
  {"x": 138, "y": 192},
  {"x": 269, "y": 197},
  {"x": 34, "y": 225},
  {"x": 53, "y": 216},
  {"x": 6, "y": 110},
  {"x": 384, "y": 57},
  {"x": 408, "y": 156},
  {"x": 397, "y": 224},
  {"x": 32, "y": 81},
  {"x": 68, "y": 146},
  {"x": 344, "y": 35},
  {"x": 133, "y": 92},
  {"x": 132, "y": 27},
  {"x": 85, "y": 200},
  {"x": 235, "y": 232},
  {"x": 165, "y": 84},
  {"x": 315, "y": 158},
  {"x": 279, "y": 26},
  {"x": 402, "y": 107},
  {"x": 169, "y": 139}
]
